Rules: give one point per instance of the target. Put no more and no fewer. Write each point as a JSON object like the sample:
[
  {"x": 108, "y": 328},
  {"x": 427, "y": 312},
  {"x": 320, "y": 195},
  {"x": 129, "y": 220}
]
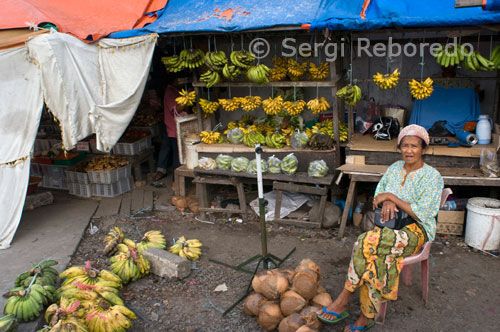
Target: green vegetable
[
  {"x": 289, "y": 164},
  {"x": 239, "y": 164},
  {"x": 223, "y": 161},
  {"x": 317, "y": 169}
]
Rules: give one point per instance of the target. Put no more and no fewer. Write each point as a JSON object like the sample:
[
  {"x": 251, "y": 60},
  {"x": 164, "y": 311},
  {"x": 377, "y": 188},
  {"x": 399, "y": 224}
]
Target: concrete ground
[{"x": 53, "y": 231}]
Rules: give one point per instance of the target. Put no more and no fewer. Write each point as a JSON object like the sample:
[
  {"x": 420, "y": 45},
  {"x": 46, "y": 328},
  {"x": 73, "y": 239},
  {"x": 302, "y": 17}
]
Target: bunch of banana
[
  {"x": 210, "y": 137},
  {"x": 258, "y": 74},
  {"x": 326, "y": 127},
  {"x": 294, "y": 107},
  {"x": 173, "y": 64},
  {"x": 186, "y": 98},
  {"x": 308, "y": 132},
  {"x": 246, "y": 120},
  {"x": 449, "y": 56},
  {"x": 152, "y": 239},
  {"x": 280, "y": 62},
  {"x": 229, "y": 105},
  {"x": 319, "y": 73},
  {"x": 351, "y": 94},
  {"x": 104, "y": 317},
  {"x": 114, "y": 237},
  {"x": 89, "y": 276},
  {"x": 208, "y": 107},
  {"x": 387, "y": 81},
  {"x": 242, "y": 59},
  {"x": 8, "y": 323},
  {"x": 273, "y": 106},
  {"x": 495, "y": 57},
  {"x": 190, "y": 249},
  {"x": 231, "y": 72},
  {"x": 28, "y": 304},
  {"x": 421, "y": 90},
  {"x": 278, "y": 74},
  {"x": 248, "y": 129},
  {"x": 128, "y": 264},
  {"x": 191, "y": 58},
  {"x": 215, "y": 61},
  {"x": 252, "y": 138},
  {"x": 232, "y": 125},
  {"x": 275, "y": 140},
  {"x": 476, "y": 61},
  {"x": 46, "y": 275},
  {"x": 210, "y": 78},
  {"x": 287, "y": 131},
  {"x": 318, "y": 105},
  {"x": 68, "y": 310},
  {"x": 296, "y": 70},
  {"x": 249, "y": 103}
]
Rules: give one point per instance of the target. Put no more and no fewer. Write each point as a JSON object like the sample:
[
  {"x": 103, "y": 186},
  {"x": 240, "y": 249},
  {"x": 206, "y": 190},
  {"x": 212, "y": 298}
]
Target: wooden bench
[
  {"x": 180, "y": 175},
  {"x": 373, "y": 173},
  {"x": 299, "y": 182}
]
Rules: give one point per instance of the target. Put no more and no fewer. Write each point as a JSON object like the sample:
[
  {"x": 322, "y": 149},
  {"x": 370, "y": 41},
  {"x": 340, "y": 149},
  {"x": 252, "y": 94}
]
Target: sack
[
  {"x": 386, "y": 128},
  {"x": 400, "y": 220}
]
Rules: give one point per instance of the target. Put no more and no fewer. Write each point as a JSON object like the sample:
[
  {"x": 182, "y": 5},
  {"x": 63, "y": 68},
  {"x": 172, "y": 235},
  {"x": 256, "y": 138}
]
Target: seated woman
[{"x": 409, "y": 185}]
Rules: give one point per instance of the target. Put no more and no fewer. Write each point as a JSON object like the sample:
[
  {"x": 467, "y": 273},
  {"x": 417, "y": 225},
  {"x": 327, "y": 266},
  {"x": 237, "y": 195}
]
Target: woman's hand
[{"x": 389, "y": 210}]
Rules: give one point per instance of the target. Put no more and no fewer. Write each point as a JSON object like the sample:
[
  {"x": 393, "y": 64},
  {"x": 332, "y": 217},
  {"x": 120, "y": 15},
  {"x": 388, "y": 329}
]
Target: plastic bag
[
  {"x": 289, "y": 164},
  {"x": 239, "y": 164},
  {"x": 252, "y": 166},
  {"x": 274, "y": 165},
  {"x": 488, "y": 164},
  {"x": 299, "y": 140},
  {"x": 235, "y": 136},
  {"x": 223, "y": 161},
  {"x": 317, "y": 169},
  {"x": 367, "y": 113},
  {"x": 207, "y": 163}
]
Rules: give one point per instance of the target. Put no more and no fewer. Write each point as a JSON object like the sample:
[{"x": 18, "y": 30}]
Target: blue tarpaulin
[
  {"x": 345, "y": 14},
  {"x": 226, "y": 15}
]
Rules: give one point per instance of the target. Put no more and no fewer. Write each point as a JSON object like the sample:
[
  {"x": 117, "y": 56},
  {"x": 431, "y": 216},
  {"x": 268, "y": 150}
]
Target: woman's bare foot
[
  {"x": 362, "y": 321},
  {"x": 338, "y": 306}
]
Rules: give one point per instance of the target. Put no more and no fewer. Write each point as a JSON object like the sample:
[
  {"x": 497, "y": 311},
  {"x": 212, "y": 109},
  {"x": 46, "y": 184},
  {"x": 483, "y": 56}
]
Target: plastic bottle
[{"x": 483, "y": 129}]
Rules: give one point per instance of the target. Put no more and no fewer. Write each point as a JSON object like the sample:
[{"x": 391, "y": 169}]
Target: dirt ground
[{"x": 464, "y": 290}]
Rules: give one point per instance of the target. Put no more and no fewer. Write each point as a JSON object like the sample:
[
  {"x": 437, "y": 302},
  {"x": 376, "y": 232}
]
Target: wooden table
[
  {"x": 373, "y": 173},
  {"x": 299, "y": 182},
  {"x": 180, "y": 175}
]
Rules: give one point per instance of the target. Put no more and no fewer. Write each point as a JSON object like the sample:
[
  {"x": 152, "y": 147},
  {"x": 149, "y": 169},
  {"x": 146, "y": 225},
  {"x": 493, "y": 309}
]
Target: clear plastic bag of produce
[
  {"x": 235, "y": 136},
  {"x": 207, "y": 163},
  {"x": 317, "y": 169},
  {"x": 223, "y": 161},
  {"x": 252, "y": 166},
  {"x": 299, "y": 140},
  {"x": 274, "y": 165},
  {"x": 289, "y": 164},
  {"x": 239, "y": 164}
]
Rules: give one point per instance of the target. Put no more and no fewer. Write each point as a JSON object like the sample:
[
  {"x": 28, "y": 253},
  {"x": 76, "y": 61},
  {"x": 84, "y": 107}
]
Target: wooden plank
[
  {"x": 108, "y": 207},
  {"x": 148, "y": 200},
  {"x": 468, "y": 3},
  {"x": 348, "y": 203},
  {"x": 221, "y": 210},
  {"x": 137, "y": 200},
  {"x": 277, "y": 204},
  {"x": 125, "y": 206},
  {"x": 241, "y": 197},
  {"x": 300, "y": 188},
  {"x": 232, "y": 148},
  {"x": 275, "y": 84},
  {"x": 298, "y": 223}
]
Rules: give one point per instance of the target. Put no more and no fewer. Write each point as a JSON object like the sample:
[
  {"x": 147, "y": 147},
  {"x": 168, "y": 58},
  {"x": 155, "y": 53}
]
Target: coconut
[
  {"x": 179, "y": 202},
  {"x": 307, "y": 328},
  {"x": 291, "y": 302},
  {"x": 271, "y": 285},
  {"x": 288, "y": 273},
  {"x": 309, "y": 315},
  {"x": 321, "y": 289},
  {"x": 322, "y": 300},
  {"x": 253, "y": 303},
  {"x": 291, "y": 323},
  {"x": 269, "y": 315},
  {"x": 307, "y": 264},
  {"x": 258, "y": 279},
  {"x": 305, "y": 284}
]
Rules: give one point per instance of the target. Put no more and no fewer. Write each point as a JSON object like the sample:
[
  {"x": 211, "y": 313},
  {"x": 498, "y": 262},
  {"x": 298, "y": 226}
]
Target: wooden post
[{"x": 334, "y": 77}]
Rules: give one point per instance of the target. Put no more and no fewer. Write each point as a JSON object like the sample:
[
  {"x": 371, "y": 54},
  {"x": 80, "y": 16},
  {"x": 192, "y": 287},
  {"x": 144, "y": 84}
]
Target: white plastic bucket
[
  {"x": 483, "y": 223},
  {"x": 191, "y": 153}
]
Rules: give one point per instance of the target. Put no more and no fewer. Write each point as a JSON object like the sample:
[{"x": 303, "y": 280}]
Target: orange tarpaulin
[{"x": 88, "y": 20}]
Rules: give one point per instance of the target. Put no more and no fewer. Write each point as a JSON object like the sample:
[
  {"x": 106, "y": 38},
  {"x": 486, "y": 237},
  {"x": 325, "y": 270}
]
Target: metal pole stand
[{"x": 265, "y": 258}]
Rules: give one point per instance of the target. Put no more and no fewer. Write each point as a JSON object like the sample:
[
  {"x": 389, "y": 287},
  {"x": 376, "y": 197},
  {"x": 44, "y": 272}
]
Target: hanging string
[
  {"x": 215, "y": 44},
  {"x": 208, "y": 94},
  {"x": 209, "y": 43},
  {"x": 191, "y": 42},
  {"x": 317, "y": 90},
  {"x": 272, "y": 91},
  {"x": 184, "y": 41},
  {"x": 250, "y": 88},
  {"x": 478, "y": 40},
  {"x": 350, "y": 65},
  {"x": 232, "y": 44},
  {"x": 491, "y": 45},
  {"x": 294, "y": 92},
  {"x": 422, "y": 63},
  {"x": 241, "y": 41},
  {"x": 175, "y": 52},
  {"x": 387, "y": 61},
  {"x": 319, "y": 53},
  {"x": 229, "y": 92}
]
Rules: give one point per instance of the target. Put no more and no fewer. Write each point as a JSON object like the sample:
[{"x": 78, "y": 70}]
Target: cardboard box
[
  {"x": 450, "y": 222},
  {"x": 450, "y": 229},
  {"x": 355, "y": 159}
]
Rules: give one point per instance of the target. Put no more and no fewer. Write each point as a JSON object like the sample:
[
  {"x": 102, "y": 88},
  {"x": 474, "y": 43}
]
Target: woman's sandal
[
  {"x": 158, "y": 176},
  {"x": 340, "y": 317},
  {"x": 362, "y": 328}
]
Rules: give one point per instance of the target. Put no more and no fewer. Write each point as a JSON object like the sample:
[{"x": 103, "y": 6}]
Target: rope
[
  {"x": 422, "y": 63},
  {"x": 350, "y": 65},
  {"x": 191, "y": 42},
  {"x": 492, "y": 224}
]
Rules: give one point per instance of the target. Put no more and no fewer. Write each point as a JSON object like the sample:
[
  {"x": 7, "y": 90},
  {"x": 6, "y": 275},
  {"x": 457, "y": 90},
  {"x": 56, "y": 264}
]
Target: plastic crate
[
  {"x": 71, "y": 161},
  {"x": 77, "y": 177},
  {"x": 36, "y": 170},
  {"x": 131, "y": 149},
  {"x": 113, "y": 189},
  {"x": 54, "y": 171},
  {"x": 154, "y": 129},
  {"x": 80, "y": 189},
  {"x": 54, "y": 182},
  {"x": 112, "y": 176}
]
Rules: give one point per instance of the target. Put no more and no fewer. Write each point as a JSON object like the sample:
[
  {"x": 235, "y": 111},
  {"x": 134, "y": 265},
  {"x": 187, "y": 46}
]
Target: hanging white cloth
[{"x": 20, "y": 110}]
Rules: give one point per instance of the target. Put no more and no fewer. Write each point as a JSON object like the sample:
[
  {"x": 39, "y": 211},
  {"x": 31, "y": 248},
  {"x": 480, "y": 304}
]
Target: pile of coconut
[{"x": 288, "y": 299}]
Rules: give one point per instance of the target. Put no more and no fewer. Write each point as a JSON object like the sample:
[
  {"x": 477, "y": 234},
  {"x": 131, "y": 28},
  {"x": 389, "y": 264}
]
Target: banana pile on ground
[
  {"x": 215, "y": 61},
  {"x": 296, "y": 70},
  {"x": 190, "y": 249},
  {"x": 8, "y": 323},
  {"x": 351, "y": 94},
  {"x": 319, "y": 73},
  {"x": 476, "y": 61},
  {"x": 211, "y": 137},
  {"x": 87, "y": 275},
  {"x": 231, "y": 72},
  {"x": 294, "y": 107},
  {"x": 253, "y": 138},
  {"x": 449, "y": 56},
  {"x": 46, "y": 275},
  {"x": 272, "y": 106},
  {"x": 242, "y": 59},
  {"x": 387, "y": 81},
  {"x": 421, "y": 90},
  {"x": 186, "y": 98},
  {"x": 249, "y": 103},
  {"x": 208, "y": 107},
  {"x": 151, "y": 239},
  {"x": 129, "y": 264},
  {"x": 318, "y": 105},
  {"x": 258, "y": 74},
  {"x": 275, "y": 140},
  {"x": 495, "y": 56},
  {"x": 229, "y": 105},
  {"x": 210, "y": 78}
]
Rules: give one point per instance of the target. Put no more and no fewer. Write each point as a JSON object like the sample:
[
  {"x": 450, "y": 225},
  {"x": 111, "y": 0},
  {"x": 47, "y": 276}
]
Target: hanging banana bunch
[
  {"x": 294, "y": 107},
  {"x": 231, "y": 72},
  {"x": 186, "y": 98},
  {"x": 421, "y": 90},
  {"x": 242, "y": 59},
  {"x": 208, "y": 107},
  {"x": 318, "y": 105},
  {"x": 258, "y": 74},
  {"x": 249, "y": 103},
  {"x": 351, "y": 94},
  {"x": 229, "y": 105},
  {"x": 319, "y": 73},
  {"x": 210, "y": 78},
  {"x": 191, "y": 58},
  {"x": 272, "y": 106},
  {"x": 296, "y": 70},
  {"x": 387, "y": 81}
]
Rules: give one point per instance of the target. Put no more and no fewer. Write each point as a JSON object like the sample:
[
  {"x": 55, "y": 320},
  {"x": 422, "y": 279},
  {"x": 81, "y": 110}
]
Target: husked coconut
[
  {"x": 307, "y": 264},
  {"x": 252, "y": 304},
  {"x": 291, "y": 302},
  {"x": 307, "y": 328},
  {"x": 305, "y": 284},
  {"x": 291, "y": 323},
  {"x": 287, "y": 273},
  {"x": 309, "y": 315},
  {"x": 272, "y": 285},
  {"x": 258, "y": 280},
  {"x": 322, "y": 300},
  {"x": 321, "y": 289},
  {"x": 269, "y": 315}
]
